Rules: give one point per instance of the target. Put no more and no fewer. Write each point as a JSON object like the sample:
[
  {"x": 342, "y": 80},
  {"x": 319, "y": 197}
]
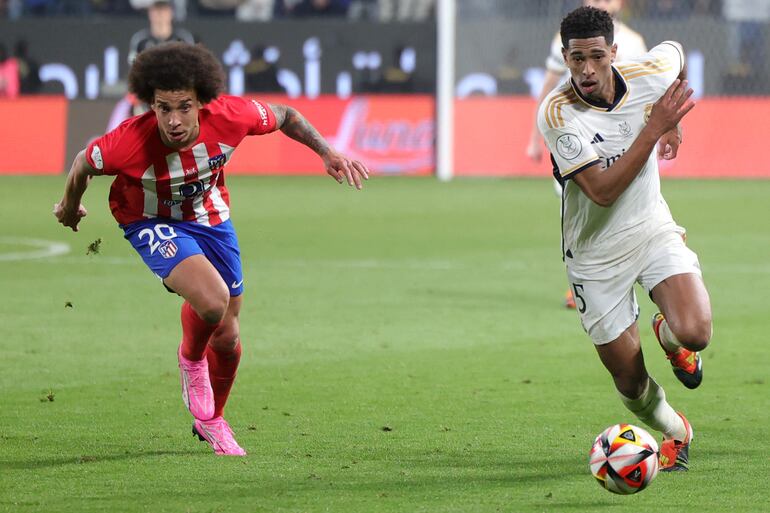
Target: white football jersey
[
  {"x": 581, "y": 134},
  {"x": 630, "y": 44}
]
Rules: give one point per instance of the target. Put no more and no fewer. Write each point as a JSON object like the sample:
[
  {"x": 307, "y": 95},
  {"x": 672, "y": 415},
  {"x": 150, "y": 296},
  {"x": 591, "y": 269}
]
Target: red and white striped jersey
[{"x": 153, "y": 180}]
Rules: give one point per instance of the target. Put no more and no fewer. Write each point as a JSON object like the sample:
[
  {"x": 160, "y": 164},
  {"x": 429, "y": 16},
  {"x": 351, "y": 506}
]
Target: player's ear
[{"x": 613, "y": 52}]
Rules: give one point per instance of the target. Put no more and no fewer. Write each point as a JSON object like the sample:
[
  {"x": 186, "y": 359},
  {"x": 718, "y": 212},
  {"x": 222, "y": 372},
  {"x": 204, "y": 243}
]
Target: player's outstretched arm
[
  {"x": 604, "y": 186},
  {"x": 340, "y": 167},
  {"x": 69, "y": 211}
]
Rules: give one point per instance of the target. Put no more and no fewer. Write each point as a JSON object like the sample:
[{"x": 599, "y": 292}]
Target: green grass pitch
[{"x": 405, "y": 350}]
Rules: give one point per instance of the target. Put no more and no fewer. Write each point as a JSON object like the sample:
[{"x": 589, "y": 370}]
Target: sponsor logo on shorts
[
  {"x": 569, "y": 146},
  {"x": 167, "y": 249}
]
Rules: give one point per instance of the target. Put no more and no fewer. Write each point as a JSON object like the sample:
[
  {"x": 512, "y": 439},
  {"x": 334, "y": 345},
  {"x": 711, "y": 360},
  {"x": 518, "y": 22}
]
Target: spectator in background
[
  {"x": 747, "y": 20},
  {"x": 9, "y": 74},
  {"x": 255, "y": 10},
  {"x": 29, "y": 69},
  {"x": 363, "y": 10},
  {"x": 221, "y": 8},
  {"x": 261, "y": 75},
  {"x": 160, "y": 15},
  {"x": 510, "y": 76},
  {"x": 406, "y": 10},
  {"x": 669, "y": 9},
  {"x": 311, "y": 8},
  {"x": 398, "y": 77}
]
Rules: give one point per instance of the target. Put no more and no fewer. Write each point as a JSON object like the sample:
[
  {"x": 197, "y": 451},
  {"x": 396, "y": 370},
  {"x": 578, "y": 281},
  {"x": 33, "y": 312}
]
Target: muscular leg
[
  {"x": 224, "y": 354},
  {"x": 685, "y": 304},
  {"x": 623, "y": 359},
  {"x": 206, "y": 300},
  {"x": 639, "y": 392},
  {"x": 199, "y": 283}
]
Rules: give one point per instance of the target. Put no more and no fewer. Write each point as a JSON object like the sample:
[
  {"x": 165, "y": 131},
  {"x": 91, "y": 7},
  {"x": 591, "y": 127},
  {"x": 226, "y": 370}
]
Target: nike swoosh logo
[{"x": 236, "y": 285}]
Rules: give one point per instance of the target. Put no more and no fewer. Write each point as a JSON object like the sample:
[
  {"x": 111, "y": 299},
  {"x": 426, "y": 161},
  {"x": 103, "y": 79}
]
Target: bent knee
[
  {"x": 213, "y": 310},
  {"x": 225, "y": 338},
  {"x": 694, "y": 335}
]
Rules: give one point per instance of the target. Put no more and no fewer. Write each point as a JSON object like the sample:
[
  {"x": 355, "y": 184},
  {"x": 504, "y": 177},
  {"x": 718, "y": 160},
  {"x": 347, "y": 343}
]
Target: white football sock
[
  {"x": 652, "y": 409},
  {"x": 667, "y": 337}
]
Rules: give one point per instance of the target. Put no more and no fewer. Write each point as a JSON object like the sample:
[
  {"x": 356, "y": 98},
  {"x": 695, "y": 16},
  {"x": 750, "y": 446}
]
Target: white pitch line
[{"x": 43, "y": 248}]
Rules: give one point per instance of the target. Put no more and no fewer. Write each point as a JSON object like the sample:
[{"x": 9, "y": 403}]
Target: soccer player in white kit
[
  {"x": 601, "y": 128},
  {"x": 630, "y": 44}
]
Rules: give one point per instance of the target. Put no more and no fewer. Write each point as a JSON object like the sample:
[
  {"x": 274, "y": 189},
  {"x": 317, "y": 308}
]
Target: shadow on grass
[{"x": 87, "y": 459}]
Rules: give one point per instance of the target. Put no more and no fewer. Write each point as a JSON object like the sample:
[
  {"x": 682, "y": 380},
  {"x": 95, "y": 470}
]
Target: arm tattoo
[{"x": 294, "y": 124}]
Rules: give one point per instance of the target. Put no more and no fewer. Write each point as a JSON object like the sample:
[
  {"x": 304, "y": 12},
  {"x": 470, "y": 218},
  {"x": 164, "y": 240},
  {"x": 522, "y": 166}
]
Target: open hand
[
  {"x": 341, "y": 168},
  {"x": 669, "y": 110}
]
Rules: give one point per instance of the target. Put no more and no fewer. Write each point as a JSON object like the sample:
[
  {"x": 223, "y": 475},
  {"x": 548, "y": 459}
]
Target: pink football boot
[
  {"x": 196, "y": 387},
  {"x": 219, "y": 436}
]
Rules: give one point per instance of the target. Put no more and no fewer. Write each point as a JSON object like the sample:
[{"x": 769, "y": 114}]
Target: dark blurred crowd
[
  {"x": 382, "y": 10},
  {"x": 245, "y": 10},
  {"x": 746, "y": 24}
]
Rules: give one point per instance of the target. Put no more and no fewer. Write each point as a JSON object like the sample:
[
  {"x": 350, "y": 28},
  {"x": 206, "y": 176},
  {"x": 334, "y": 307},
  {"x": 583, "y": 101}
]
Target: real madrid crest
[{"x": 625, "y": 130}]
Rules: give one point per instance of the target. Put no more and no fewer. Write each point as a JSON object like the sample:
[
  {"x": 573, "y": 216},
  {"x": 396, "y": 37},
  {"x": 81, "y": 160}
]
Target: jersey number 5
[{"x": 577, "y": 288}]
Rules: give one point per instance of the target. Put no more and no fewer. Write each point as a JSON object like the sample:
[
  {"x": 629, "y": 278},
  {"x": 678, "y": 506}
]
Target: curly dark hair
[
  {"x": 176, "y": 67},
  {"x": 587, "y": 22}
]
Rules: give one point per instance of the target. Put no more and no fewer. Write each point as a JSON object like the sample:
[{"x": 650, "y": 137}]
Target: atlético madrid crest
[
  {"x": 168, "y": 249},
  {"x": 217, "y": 162}
]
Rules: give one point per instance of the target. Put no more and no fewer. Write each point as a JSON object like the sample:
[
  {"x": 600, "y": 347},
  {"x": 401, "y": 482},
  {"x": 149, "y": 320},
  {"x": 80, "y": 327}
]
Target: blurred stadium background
[
  {"x": 405, "y": 348},
  {"x": 365, "y": 71}
]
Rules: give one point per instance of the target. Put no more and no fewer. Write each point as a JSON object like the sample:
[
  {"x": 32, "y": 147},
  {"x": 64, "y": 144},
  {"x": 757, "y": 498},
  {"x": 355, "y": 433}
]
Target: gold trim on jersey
[
  {"x": 573, "y": 168},
  {"x": 601, "y": 109},
  {"x": 641, "y": 69},
  {"x": 553, "y": 114}
]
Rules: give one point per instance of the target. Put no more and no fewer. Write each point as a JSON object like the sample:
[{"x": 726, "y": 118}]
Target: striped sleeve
[
  {"x": 658, "y": 68},
  {"x": 571, "y": 149}
]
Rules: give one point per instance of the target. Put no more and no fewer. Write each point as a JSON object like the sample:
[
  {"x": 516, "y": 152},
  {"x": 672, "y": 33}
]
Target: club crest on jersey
[
  {"x": 168, "y": 249},
  {"x": 625, "y": 130},
  {"x": 569, "y": 146},
  {"x": 217, "y": 162}
]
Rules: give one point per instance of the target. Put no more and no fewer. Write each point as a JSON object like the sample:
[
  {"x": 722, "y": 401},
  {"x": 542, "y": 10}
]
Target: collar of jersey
[{"x": 621, "y": 91}]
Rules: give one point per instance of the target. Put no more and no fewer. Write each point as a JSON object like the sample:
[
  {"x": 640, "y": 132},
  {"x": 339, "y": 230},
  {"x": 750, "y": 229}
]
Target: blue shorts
[{"x": 163, "y": 243}]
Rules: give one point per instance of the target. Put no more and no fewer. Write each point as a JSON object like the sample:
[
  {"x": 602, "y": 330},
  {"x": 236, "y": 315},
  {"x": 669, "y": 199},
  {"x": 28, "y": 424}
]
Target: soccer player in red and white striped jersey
[{"x": 170, "y": 199}]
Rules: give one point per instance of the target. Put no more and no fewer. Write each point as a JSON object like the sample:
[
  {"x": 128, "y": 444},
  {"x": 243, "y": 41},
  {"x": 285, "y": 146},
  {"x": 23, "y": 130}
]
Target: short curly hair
[
  {"x": 587, "y": 22},
  {"x": 176, "y": 67}
]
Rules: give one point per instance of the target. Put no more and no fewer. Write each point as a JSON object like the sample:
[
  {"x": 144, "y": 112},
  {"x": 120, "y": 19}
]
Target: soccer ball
[{"x": 624, "y": 459}]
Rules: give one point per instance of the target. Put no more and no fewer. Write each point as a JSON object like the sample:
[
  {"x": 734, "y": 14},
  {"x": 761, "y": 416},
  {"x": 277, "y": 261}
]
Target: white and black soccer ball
[{"x": 624, "y": 459}]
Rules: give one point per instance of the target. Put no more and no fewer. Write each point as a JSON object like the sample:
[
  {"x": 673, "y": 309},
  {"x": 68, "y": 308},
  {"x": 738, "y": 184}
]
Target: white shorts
[{"x": 607, "y": 306}]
